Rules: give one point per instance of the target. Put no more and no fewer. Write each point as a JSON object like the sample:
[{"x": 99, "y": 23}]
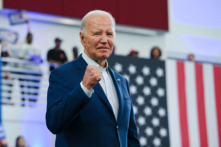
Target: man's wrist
[
  {"x": 86, "y": 86},
  {"x": 88, "y": 92}
]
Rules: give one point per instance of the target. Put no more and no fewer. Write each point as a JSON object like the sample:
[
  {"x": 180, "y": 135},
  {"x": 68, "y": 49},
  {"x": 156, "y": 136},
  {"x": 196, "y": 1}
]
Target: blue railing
[{"x": 23, "y": 82}]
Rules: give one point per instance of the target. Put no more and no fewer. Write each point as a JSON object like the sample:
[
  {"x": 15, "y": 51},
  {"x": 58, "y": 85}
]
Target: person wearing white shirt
[{"x": 27, "y": 51}]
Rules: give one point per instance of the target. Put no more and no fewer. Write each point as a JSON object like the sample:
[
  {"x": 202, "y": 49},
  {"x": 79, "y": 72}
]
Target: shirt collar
[{"x": 89, "y": 61}]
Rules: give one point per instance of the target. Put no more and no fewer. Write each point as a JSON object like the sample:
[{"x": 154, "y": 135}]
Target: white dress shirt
[{"x": 106, "y": 83}]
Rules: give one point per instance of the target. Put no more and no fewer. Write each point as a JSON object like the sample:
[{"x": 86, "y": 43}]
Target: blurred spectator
[
  {"x": 75, "y": 53},
  {"x": 29, "y": 51},
  {"x": 5, "y": 52},
  {"x": 133, "y": 53},
  {"x": 5, "y": 49},
  {"x": 20, "y": 142},
  {"x": 3, "y": 142},
  {"x": 155, "y": 53},
  {"x": 191, "y": 57},
  {"x": 56, "y": 56},
  {"x": 2, "y": 145}
]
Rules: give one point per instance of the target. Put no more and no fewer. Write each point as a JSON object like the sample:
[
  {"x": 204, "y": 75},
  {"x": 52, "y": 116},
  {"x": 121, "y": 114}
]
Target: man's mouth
[{"x": 102, "y": 48}]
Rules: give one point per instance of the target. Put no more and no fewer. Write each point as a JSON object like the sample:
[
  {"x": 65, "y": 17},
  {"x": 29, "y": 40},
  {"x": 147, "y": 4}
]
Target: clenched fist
[{"x": 91, "y": 77}]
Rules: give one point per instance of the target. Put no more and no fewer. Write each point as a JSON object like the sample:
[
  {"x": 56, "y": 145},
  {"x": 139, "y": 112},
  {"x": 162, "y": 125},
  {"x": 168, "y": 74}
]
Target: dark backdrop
[{"x": 141, "y": 13}]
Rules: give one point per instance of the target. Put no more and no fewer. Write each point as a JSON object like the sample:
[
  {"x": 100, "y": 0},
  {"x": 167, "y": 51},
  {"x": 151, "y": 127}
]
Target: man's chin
[{"x": 104, "y": 56}]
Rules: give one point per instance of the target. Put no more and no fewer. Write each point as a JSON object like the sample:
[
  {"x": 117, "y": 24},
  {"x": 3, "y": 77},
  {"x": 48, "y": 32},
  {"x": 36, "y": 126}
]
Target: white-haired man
[{"x": 89, "y": 104}]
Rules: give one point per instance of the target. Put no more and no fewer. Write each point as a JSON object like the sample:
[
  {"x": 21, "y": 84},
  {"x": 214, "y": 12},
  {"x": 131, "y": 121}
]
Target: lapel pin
[{"x": 118, "y": 79}]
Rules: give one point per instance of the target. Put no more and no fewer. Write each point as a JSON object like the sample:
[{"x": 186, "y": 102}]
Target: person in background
[
  {"x": 191, "y": 57},
  {"x": 155, "y": 53},
  {"x": 5, "y": 75},
  {"x": 5, "y": 49},
  {"x": 56, "y": 56},
  {"x": 2, "y": 145},
  {"x": 75, "y": 53},
  {"x": 27, "y": 51},
  {"x": 20, "y": 142},
  {"x": 133, "y": 53},
  {"x": 5, "y": 52},
  {"x": 3, "y": 141}
]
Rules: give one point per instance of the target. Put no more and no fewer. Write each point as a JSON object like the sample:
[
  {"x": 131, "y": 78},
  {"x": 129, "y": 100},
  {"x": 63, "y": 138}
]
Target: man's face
[
  {"x": 98, "y": 38},
  {"x": 58, "y": 44},
  {"x": 29, "y": 38}
]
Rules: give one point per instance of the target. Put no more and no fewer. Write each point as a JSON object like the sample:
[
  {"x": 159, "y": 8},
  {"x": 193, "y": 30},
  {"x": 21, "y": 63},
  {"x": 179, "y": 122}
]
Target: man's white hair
[{"x": 96, "y": 12}]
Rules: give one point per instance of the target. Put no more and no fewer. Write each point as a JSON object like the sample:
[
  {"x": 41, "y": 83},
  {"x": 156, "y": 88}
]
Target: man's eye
[
  {"x": 109, "y": 34},
  {"x": 96, "y": 34}
]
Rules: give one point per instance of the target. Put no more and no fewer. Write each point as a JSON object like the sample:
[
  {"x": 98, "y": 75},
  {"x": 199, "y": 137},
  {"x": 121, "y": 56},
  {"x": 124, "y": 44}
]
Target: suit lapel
[
  {"x": 117, "y": 84},
  {"x": 81, "y": 68},
  {"x": 99, "y": 91}
]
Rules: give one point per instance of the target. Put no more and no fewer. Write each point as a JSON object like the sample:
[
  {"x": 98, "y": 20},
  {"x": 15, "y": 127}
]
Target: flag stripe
[
  {"x": 191, "y": 104},
  {"x": 210, "y": 105},
  {"x": 172, "y": 104},
  {"x": 182, "y": 104},
  {"x": 217, "y": 79},
  {"x": 201, "y": 105}
]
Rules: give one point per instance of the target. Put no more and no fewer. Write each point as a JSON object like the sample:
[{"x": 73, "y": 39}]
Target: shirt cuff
[{"x": 86, "y": 91}]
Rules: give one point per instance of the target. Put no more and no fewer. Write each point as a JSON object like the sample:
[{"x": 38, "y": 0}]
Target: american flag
[
  {"x": 176, "y": 103},
  {"x": 148, "y": 90},
  {"x": 194, "y": 104}
]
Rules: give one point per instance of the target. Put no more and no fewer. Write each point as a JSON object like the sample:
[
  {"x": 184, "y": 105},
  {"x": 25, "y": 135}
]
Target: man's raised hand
[{"x": 91, "y": 77}]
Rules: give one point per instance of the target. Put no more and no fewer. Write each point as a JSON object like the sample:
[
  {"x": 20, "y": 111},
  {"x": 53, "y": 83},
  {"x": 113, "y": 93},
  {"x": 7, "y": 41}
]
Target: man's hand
[{"x": 91, "y": 77}]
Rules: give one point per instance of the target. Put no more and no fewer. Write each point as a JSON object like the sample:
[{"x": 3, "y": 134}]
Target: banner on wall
[
  {"x": 8, "y": 35},
  {"x": 18, "y": 18}
]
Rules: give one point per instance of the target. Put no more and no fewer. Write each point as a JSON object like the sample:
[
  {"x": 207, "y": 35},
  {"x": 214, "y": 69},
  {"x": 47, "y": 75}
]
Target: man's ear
[{"x": 82, "y": 38}]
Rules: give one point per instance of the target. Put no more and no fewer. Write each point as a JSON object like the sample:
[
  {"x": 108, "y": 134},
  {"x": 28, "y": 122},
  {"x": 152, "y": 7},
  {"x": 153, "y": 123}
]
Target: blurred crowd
[
  {"x": 23, "y": 61},
  {"x": 28, "y": 51},
  {"x": 156, "y": 53}
]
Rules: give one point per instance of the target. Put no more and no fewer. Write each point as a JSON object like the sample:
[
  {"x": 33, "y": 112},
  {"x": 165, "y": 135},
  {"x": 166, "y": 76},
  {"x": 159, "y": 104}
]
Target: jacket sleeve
[
  {"x": 63, "y": 101},
  {"x": 133, "y": 140}
]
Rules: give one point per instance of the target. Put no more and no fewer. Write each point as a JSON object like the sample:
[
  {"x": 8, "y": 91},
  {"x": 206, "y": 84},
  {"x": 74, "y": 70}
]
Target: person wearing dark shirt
[
  {"x": 56, "y": 56},
  {"x": 75, "y": 53}
]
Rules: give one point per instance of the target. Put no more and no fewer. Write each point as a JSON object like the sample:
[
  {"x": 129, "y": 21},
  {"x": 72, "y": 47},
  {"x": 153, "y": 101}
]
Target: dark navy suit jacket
[{"x": 79, "y": 121}]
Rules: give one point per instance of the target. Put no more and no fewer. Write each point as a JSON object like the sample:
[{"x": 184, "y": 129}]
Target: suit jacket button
[{"x": 117, "y": 128}]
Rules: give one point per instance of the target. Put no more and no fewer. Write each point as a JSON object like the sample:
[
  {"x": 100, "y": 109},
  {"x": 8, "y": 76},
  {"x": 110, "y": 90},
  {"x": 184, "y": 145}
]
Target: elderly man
[{"x": 89, "y": 104}]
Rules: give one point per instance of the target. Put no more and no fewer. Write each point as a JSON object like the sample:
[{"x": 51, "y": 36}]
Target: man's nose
[{"x": 104, "y": 39}]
